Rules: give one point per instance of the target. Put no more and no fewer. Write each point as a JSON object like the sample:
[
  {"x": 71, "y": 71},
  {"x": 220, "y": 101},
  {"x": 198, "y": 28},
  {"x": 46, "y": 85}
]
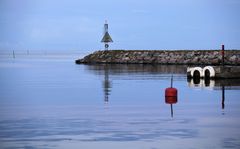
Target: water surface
[{"x": 50, "y": 102}]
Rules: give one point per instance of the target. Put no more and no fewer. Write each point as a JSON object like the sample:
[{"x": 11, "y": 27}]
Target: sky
[{"x": 133, "y": 24}]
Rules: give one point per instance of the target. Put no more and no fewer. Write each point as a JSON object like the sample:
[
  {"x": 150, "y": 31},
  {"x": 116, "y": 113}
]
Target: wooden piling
[{"x": 13, "y": 54}]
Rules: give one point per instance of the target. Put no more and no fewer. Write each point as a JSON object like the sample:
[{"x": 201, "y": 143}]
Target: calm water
[{"x": 54, "y": 103}]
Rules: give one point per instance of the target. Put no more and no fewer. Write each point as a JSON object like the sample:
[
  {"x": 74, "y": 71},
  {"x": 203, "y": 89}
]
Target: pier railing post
[{"x": 223, "y": 55}]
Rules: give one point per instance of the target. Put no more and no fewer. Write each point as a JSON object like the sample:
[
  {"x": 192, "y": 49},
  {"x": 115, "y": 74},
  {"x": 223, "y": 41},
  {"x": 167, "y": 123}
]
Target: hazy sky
[{"x": 133, "y": 24}]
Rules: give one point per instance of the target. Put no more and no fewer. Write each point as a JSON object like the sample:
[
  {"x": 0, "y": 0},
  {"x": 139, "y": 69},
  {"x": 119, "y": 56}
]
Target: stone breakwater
[{"x": 184, "y": 57}]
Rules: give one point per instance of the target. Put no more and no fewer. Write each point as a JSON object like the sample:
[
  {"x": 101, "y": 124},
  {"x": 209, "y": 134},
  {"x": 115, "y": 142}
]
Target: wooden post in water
[{"x": 13, "y": 54}]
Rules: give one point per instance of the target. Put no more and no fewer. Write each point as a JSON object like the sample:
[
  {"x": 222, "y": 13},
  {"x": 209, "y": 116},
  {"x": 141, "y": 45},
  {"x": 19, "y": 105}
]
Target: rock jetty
[{"x": 182, "y": 57}]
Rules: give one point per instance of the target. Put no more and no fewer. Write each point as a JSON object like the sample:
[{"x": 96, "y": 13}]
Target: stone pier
[{"x": 179, "y": 57}]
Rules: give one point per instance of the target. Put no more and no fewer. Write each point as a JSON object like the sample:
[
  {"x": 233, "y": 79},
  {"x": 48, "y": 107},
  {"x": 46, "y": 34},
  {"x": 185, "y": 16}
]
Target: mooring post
[
  {"x": 13, "y": 54},
  {"x": 223, "y": 55}
]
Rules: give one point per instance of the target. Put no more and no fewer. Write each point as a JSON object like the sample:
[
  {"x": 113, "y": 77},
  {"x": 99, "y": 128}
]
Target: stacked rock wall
[{"x": 203, "y": 57}]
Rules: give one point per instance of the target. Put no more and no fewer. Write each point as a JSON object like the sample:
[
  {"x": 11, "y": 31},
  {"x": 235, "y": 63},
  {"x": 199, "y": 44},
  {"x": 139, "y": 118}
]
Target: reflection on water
[
  {"x": 106, "y": 84},
  {"x": 214, "y": 83},
  {"x": 158, "y": 70},
  {"x": 136, "y": 71},
  {"x": 137, "y": 68},
  {"x": 42, "y": 106},
  {"x": 223, "y": 97}
]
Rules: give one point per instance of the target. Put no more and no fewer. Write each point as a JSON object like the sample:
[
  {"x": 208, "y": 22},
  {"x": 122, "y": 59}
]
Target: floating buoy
[
  {"x": 197, "y": 72},
  {"x": 208, "y": 72},
  {"x": 171, "y": 92},
  {"x": 171, "y": 96}
]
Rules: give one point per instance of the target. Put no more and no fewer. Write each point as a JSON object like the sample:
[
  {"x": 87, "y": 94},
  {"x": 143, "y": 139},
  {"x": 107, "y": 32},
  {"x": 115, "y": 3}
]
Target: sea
[{"x": 49, "y": 102}]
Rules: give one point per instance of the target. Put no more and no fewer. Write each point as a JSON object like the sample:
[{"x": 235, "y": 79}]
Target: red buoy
[{"x": 171, "y": 96}]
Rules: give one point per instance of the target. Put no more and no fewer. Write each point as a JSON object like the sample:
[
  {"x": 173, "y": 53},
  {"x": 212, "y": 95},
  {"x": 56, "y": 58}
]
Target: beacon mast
[{"x": 106, "y": 37}]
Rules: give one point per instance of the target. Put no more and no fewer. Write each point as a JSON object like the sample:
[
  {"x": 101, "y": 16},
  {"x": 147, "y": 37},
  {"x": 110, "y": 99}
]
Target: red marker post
[{"x": 223, "y": 54}]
